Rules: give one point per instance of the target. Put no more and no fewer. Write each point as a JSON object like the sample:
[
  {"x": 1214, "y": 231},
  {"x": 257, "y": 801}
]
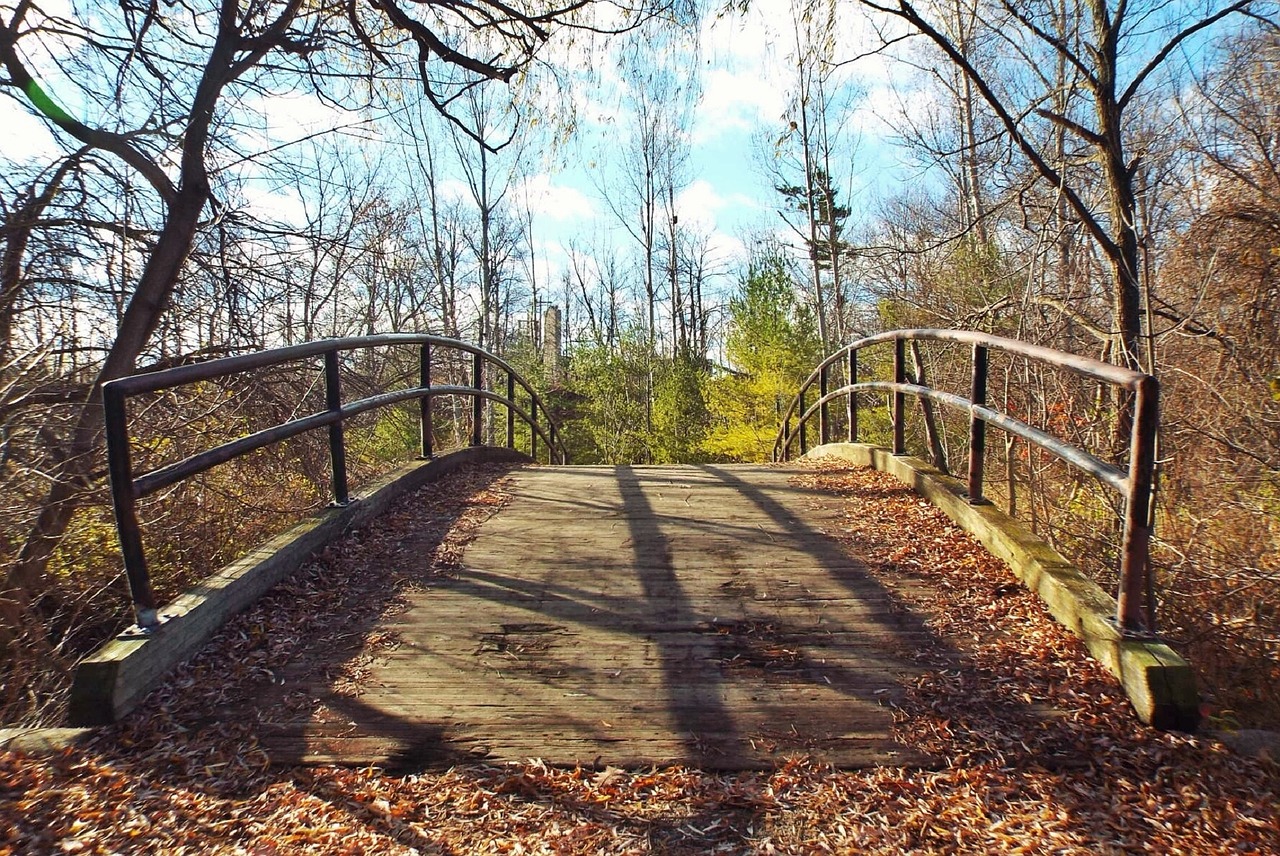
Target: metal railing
[
  {"x": 127, "y": 488},
  {"x": 1134, "y": 485}
]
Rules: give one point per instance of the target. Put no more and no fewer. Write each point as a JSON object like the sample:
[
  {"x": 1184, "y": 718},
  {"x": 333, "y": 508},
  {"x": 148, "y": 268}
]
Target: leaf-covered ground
[{"x": 1042, "y": 753}]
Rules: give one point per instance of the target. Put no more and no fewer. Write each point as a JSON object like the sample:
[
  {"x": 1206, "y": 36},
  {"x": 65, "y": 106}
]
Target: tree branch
[
  {"x": 1173, "y": 43},
  {"x": 1053, "y": 41},
  {"x": 117, "y": 144},
  {"x": 908, "y": 13},
  {"x": 1072, "y": 126}
]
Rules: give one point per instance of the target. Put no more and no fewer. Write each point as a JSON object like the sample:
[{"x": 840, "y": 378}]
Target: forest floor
[{"x": 1087, "y": 779}]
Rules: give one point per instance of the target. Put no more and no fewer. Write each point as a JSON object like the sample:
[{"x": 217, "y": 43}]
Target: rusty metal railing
[
  {"x": 127, "y": 488},
  {"x": 1135, "y": 612}
]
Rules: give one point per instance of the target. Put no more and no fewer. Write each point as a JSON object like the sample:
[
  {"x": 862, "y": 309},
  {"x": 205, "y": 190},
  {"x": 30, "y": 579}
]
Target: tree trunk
[
  {"x": 937, "y": 452},
  {"x": 28, "y": 580}
]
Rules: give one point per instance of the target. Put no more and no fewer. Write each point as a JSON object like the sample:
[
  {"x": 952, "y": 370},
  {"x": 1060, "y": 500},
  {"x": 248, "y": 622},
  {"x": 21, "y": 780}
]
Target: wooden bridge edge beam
[
  {"x": 1159, "y": 683},
  {"x": 118, "y": 676}
]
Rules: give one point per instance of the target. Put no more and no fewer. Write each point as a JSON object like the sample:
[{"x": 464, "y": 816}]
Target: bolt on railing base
[
  {"x": 149, "y": 621},
  {"x": 1128, "y": 634}
]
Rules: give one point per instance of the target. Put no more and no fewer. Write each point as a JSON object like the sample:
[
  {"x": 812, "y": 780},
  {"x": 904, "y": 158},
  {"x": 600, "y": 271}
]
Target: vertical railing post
[
  {"x": 824, "y": 428},
  {"x": 511, "y": 410},
  {"x": 780, "y": 454},
  {"x": 800, "y": 416},
  {"x": 977, "y": 427},
  {"x": 477, "y": 402},
  {"x": 533, "y": 433},
  {"x": 1135, "y": 558},
  {"x": 424, "y": 403},
  {"x": 337, "y": 445},
  {"x": 899, "y": 398},
  {"x": 120, "y": 468},
  {"x": 853, "y": 396}
]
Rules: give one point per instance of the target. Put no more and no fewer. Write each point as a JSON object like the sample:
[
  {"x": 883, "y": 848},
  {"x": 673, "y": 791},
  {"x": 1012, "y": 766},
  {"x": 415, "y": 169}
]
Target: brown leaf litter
[{"x": 1043, "y": 753}]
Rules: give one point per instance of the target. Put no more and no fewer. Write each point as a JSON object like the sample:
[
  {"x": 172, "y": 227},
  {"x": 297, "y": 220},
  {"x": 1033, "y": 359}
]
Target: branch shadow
[{"x": 759, "y": 644}]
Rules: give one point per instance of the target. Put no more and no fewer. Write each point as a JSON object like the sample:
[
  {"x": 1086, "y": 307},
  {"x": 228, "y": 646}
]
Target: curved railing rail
[
  {"x": 1134, "y": 484},
  {"x": 127, "y": 488}
]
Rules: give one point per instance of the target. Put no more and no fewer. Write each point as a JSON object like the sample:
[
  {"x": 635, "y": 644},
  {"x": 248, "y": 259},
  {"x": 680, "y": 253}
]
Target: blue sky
[{"x": 744, "y": 79}]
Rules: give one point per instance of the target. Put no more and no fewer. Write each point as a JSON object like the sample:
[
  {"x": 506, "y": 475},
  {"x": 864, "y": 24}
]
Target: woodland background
[{"x": 1099, "y": 177}]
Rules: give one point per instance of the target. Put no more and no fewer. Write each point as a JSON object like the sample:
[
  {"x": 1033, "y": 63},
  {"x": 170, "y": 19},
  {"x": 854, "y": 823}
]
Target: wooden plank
[
  {"x": 709, "y": 752},
  {"x": 630, "y": 616}
]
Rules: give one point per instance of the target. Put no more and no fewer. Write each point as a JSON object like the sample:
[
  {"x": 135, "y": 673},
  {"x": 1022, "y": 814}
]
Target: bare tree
[
  {"x": 807, "y": 161},
  {"x": 161, "y": 86},
  {"x": 1113, "y": 54}
]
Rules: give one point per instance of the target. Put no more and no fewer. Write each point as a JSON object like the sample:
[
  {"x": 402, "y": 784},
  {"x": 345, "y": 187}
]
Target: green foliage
[
  {"x": 680, "y": 415},
  {"x": 635, "y": 406},
  {"x": 395, "y": 437},
  {"x": 610, "y": 425},
  {"x": 773, "y": 345},
  {"x": 770, "y": 329},
  {"x": 821, "y": 202},
  {"x": 89, "y": 547}
]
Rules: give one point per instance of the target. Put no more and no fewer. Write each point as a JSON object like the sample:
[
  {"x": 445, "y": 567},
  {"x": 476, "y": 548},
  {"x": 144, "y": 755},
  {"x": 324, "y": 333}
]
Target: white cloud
[
  {"x": 747, "y": 40},
  {"x": 726, "y": 249},
  {"x": 698, "y": 204},
  {"x": 299, "y": 114},
  {"x": 283, "y": 205},
  {"x": 453, "y": 190},
  {"x": 26, "y": 137},
  {"x": 274, "y": 120},
  {"x": 743, "y": 85},
  {"x": 736, "y": 103},
  {"x": 701, "y": 207},
  {"x": 555, "y": 201},
  {"x": 751, "y": 67}
]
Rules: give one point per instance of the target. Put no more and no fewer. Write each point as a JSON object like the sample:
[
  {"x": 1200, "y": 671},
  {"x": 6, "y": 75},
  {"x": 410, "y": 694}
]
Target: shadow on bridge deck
[{"x": 629, "y": 616}]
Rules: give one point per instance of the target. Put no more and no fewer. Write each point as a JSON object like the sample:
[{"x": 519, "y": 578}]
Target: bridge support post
[
  {"x": 424, "y": 403},
  {"x": 803, "y": 444},
  {"x": 853, "y": 396},
  {"x": 120, "y": 467},
  {"x": 477, "y": 402},
  {"x": 1135, "y": 564},
  {"x": 977, "y": 428},
  {"x": 899, "y": 398},
  {"x": 511, "y": 411},
  {"x": 781, "y": 454},
  {"x": 824, "y": 426},
  {"x": 337, "y": 444}
]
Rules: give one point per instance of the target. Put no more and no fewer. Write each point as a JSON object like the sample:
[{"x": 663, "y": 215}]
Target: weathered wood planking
[{"x": 633, "y": 616}]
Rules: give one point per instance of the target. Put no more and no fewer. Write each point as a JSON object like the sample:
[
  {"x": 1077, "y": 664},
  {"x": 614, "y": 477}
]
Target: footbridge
[{"x": 630, "y": 615}]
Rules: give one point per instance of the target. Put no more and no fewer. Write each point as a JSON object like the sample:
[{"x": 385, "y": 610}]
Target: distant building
[{"x": 552, "y": 344}]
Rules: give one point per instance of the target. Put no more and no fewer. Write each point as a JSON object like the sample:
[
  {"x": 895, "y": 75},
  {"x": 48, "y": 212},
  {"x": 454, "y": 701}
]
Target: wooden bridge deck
[{"x": 635, "y": 616}]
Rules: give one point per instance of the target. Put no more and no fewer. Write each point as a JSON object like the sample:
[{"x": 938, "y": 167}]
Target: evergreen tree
[{"x": 821, "y": 204}]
